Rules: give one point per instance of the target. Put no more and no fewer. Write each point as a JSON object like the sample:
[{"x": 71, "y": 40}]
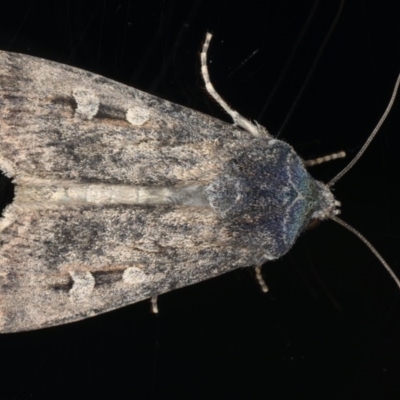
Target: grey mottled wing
[
  {"x": 59, "y": 122},
  {"x": 57, "y": 266},
  {"x": 63, "y": 263}
]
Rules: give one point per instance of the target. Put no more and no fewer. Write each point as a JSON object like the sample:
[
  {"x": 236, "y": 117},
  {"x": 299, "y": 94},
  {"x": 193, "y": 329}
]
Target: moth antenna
[
  {"x": 238, "y": 120},
  {"x": 372, "y": 248},
  {"x": 260, "y": 279},
  {"x": 370, "y": 138}
]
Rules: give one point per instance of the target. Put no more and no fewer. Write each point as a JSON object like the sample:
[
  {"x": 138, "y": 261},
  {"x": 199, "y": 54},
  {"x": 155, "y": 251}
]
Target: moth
[{"x": 121, "y": 196}]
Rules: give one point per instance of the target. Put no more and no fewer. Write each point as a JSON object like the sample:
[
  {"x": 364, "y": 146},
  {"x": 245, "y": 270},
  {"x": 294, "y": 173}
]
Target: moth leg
[
  {"x": 263, "y": 286},
  {"x": 253, "y": 128},
  {"x": 154, "y": 305},
  {"x": 321, "y": 160}
]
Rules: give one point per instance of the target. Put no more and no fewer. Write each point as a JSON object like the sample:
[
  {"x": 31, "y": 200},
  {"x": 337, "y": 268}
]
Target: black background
[{"x": 329, "y": 328}]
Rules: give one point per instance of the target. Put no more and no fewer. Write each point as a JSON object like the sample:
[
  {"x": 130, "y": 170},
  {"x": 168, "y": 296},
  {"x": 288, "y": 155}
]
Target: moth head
[{"x": 328, "y": 206}]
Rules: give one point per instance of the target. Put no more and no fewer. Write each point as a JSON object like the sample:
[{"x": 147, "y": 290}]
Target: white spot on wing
[
  {"x": 134, "y": 275},
  {"x": 87, "y": 103},
  {"x": 83, "y": 285},
  {"x": 137, "y": 115}
]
